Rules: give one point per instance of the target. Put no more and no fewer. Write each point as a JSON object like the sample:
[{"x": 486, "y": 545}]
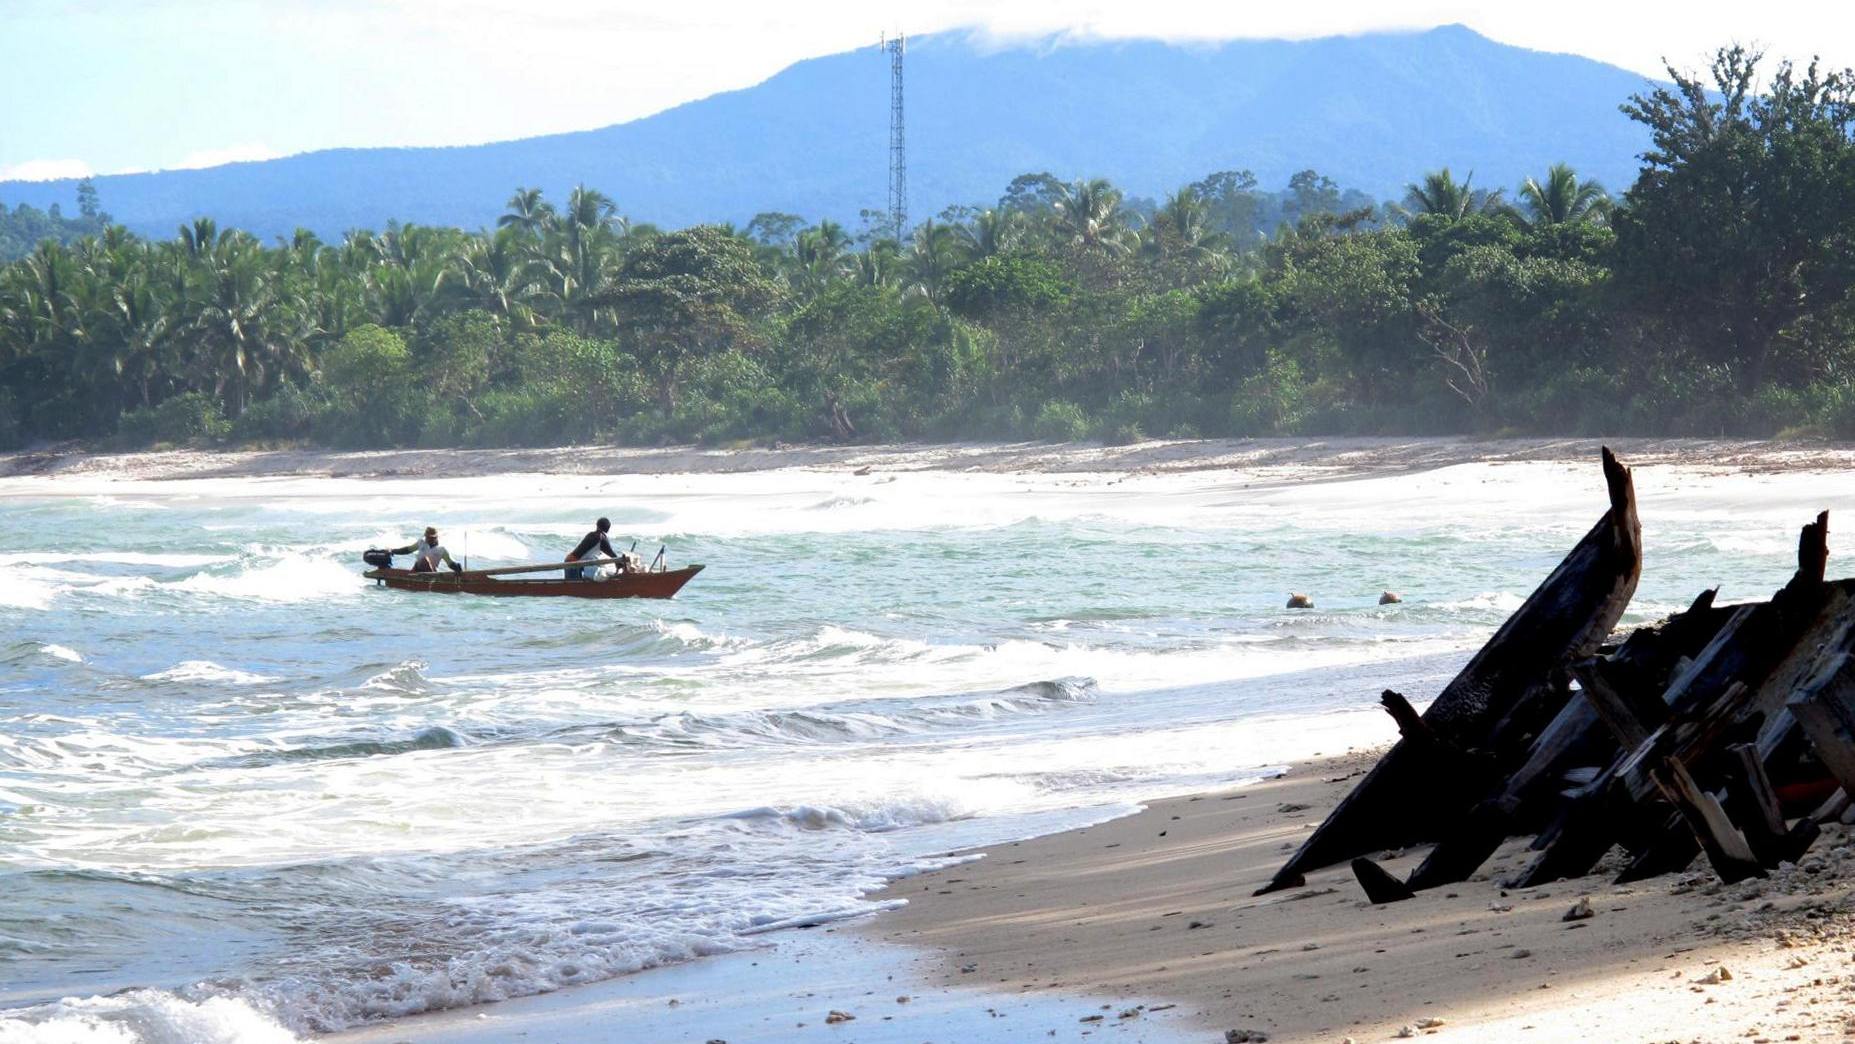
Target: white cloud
[
  {"x": 46, "y": 170},
  {"x": 244, "y": 152}
]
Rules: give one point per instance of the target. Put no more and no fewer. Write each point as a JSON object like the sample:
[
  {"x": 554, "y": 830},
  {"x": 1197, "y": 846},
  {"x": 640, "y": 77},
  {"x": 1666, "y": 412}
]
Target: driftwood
[
  {"x": 1581, "y": 735},
  {"x": 1414, "y": 794},
  {"x": 1767, "y": 649},
  {"x": 1725, "y": 731}
]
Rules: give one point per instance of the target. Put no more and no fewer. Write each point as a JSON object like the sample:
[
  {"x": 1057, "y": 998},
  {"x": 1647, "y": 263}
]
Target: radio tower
[{"x": 898, "y": 140}]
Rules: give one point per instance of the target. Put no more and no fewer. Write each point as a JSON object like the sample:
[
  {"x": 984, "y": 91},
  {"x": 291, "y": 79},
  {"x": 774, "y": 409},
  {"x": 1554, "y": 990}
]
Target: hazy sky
[{"x": 113, "y": 85}]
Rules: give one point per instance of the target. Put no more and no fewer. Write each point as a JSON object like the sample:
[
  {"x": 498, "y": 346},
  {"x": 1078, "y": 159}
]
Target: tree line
[{"x": 1712, "y": 297}]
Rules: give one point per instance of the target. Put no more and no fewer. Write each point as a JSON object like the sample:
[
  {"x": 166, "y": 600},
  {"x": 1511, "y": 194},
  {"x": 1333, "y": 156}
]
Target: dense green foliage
[
  {"x": 24, "y": 226},
  {"x": 1715, "y": 298}
]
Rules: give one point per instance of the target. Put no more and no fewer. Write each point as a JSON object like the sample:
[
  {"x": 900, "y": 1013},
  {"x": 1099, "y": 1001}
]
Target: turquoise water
[{"x": 233, "y": 772}]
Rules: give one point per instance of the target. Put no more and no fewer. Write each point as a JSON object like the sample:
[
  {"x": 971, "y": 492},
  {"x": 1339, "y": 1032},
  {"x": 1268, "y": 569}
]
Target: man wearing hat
[
  {"x": 430, "y": 552},
  {"x": 595, "y": 540}
]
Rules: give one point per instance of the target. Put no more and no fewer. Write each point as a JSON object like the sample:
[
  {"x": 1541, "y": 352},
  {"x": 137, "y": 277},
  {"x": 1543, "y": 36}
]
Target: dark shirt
[{"x": 590, "y": 541}]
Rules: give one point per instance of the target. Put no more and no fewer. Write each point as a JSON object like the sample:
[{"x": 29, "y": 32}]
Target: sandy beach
[
  {"x": 1160, "y": 904},
  {"x": 1145, "y": 928},
  {"x": 1280, "y": 459}
]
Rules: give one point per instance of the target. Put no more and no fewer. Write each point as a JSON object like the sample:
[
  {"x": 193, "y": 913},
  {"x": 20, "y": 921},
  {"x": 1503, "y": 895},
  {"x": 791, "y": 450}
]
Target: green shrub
[
  {"x": 1124, "y": 434},
  {"x": 531, "y": 417},
  {"x": 1059, "y": 421},
  {"x": 1271, "y": 402},
  {"x": 290, "y": 413},
  {"x": 1837, "y": 413},
  {"x": 366, "y": 359},
  {"x": 10, "y": 427},
  {"x": 186, "y": 418},
  {"x": 388, "y": 416}
]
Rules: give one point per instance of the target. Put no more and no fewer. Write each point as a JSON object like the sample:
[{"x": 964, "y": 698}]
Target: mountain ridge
[{"x": 1372, "y": 111}]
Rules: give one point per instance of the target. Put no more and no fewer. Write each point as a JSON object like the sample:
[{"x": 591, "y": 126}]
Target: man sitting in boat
[
  {"x": 430, "y": 552},
  {"x": 591, "y": 542}
]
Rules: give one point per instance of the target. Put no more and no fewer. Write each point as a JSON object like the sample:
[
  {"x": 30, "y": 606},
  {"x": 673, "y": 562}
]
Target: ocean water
[{"x": 246, "y": 795}]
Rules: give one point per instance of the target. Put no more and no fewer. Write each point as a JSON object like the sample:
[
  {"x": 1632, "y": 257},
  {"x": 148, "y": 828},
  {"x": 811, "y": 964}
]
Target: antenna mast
[{"x": 898, "y": 139}]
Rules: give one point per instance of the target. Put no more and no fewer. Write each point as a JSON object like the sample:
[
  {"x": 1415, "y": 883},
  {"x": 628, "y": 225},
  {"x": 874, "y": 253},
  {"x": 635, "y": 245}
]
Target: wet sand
[{"x": 1160, "y": 904}]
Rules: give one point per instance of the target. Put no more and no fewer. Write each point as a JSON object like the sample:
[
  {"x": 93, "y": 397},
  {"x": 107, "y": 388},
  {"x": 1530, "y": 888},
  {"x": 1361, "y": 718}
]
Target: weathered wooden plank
[
  {"x": 1761, "y": 809},
  {"x": 1625, "y": 720},
  {"x": 1825, "y": 708},
  {"x": 1410, "y": 724},
  {"x": 1831, "y": 810},
  {"x": 1754, "y": 658},
  {"x": 1379, "y": 885},
  {"x": 1588, "y": 822},
  {"x": 1404, "y": 799},
  {"x": 1682, "y": 741},
  {"x": 1727, "y": 849},
  {"x": 1815, "y": 641},
  {"x": 1578, "y": 840},
  {"x": 1669, "y": 848},
  {"x": 1753, "y": 805}
]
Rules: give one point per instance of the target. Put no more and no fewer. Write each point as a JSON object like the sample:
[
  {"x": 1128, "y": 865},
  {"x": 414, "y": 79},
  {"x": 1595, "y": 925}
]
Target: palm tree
[
  {"x": 880, "y": 264},
  {"x": 580, "y": 254},
  {"x": 495, "y": 273},
  {"x": 933, "y": 254},
  {"x": 1088, "y": 215},
  {"x": 234, "y": 320},
  {"x": 527, "y": 213},
  {"x": 1182, "y": 232},
  {"x": 819, "y": 256},
  {"x": 1564, "y": 199},
  {"x": 1440, "y": 194},
  {"x": 200, "y": 236},
  {"x": 993, "y": 232}
]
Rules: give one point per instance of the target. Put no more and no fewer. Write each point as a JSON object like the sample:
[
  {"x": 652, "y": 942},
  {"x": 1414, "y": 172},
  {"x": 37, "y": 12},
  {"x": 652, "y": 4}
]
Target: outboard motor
[{"x": 378, "y": 558}]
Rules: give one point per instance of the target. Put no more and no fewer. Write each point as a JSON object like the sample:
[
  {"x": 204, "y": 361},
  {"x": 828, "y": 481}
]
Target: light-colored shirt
[{"x": 431, "y": 555}]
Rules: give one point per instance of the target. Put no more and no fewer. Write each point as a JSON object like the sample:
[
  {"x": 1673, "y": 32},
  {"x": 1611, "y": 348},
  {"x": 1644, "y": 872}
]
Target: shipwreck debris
[{"x": 1727, "y": 731}]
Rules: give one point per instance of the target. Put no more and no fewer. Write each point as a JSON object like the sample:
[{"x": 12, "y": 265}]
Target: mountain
[{"x": 1373, "y": 112}]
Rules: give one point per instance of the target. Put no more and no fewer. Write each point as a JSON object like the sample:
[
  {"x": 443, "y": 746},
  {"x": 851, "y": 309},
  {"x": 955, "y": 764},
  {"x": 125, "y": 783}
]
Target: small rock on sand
[
  {"x": 1244, "y": 1036},
  {"x": 836, "y": 1017}
]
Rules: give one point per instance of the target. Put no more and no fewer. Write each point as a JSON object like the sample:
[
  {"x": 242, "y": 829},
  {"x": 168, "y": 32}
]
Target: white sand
[{"x": 1306, "y": 457}]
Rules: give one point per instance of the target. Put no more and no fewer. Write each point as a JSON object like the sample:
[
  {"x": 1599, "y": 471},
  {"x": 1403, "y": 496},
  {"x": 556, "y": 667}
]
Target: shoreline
[
  {"x": 1310, "y": 458},
  {"x": 1160, "y": 904},
  {"x": 1144, "y": 929},
  {"x": 1153, "y": 913}
]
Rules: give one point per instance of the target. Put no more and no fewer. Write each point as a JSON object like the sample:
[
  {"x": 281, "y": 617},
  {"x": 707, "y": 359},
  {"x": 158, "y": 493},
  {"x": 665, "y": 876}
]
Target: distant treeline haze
[{"x": 1713, "y": 297}]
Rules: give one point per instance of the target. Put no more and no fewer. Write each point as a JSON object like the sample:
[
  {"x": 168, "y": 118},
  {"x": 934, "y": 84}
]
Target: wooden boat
[
  {"x": 506, "y": 580},
  {"x": 1511, "y": 691}
]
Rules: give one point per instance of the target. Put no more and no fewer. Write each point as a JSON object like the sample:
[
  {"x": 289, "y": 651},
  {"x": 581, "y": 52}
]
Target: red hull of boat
[{"x": 625, "y": 585}]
